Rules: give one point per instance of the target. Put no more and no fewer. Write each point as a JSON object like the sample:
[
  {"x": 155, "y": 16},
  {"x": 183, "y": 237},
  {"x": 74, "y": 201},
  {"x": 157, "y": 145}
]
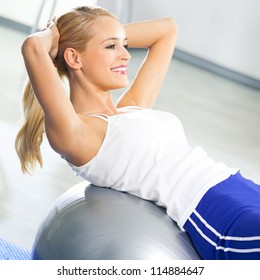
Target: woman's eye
[{"x": 111, "y": 47}]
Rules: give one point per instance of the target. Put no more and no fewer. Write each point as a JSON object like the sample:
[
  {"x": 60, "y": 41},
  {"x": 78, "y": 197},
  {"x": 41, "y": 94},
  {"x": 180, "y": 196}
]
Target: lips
[{"x": 120, "y": 70}]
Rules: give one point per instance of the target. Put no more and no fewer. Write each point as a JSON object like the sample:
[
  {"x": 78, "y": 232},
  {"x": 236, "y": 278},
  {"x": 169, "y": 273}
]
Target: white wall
[
  {"x": 225, "y": 32},
  {"x": 26, "y": 11}
]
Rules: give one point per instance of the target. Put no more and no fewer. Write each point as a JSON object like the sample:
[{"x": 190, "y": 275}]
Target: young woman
[{"x": 128, "y": 146}]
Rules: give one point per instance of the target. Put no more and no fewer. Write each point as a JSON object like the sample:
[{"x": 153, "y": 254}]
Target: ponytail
[
  {"x": 30, "y": 136},
  {"x": 76, "y": 29}
]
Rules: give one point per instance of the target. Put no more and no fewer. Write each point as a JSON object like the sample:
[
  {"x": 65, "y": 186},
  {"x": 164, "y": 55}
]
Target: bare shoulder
[{"x": 81, "y": 143}]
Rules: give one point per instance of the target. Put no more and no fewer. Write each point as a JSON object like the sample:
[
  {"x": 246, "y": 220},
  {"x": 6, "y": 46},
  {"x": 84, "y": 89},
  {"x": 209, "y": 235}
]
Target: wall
[
  {"x": 224, "y": 32},
  {"x": 26, "y": 11}
]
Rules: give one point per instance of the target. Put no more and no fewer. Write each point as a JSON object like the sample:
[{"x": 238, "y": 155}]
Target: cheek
[
  {"x": 93, "y": 64},
  {"x": 101, "y": 63}
]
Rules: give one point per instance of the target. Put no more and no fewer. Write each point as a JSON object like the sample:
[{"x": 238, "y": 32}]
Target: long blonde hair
[{"x": 76, "y": 28}]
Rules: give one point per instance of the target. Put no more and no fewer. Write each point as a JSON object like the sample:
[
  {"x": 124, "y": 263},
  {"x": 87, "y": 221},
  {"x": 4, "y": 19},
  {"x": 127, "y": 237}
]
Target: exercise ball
[{"x": 93, "y": 223}]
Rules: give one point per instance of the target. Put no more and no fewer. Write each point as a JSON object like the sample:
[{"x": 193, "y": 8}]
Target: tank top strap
[
  {"x": 100, "y": 116},
  {"x": 130, "y": 108},
  {"x": 122, "y": 109}
]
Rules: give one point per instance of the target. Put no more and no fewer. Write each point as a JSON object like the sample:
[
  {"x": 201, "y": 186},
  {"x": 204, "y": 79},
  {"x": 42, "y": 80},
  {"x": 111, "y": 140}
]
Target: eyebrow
[{"x": 113, "y": 39}]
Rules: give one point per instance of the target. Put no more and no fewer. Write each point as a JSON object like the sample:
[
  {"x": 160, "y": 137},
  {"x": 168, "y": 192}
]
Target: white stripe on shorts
[{"x": 225, "y": 249}]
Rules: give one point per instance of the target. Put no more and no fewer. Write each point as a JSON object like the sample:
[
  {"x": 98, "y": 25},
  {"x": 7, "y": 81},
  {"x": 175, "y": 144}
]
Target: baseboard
[
  {"x": 217, "y": 69},
  {"x": 12, "y": 24}
]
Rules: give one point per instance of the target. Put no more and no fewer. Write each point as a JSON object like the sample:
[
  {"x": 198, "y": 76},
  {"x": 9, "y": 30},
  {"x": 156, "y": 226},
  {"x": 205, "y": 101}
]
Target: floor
[{"x": 218, "y": 114}]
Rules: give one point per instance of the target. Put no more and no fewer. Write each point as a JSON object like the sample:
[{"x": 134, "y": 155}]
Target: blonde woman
[{"x": 128, "y": 146}]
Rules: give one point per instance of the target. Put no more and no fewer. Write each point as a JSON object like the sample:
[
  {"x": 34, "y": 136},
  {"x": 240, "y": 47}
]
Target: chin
[{"x": 120, "y": 85}]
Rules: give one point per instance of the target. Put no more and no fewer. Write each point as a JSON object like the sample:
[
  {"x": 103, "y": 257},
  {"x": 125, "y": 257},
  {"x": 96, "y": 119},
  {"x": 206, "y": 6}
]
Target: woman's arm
[
  {"x": 159, "y": 36},
  {"x": 60, "y": 118}
]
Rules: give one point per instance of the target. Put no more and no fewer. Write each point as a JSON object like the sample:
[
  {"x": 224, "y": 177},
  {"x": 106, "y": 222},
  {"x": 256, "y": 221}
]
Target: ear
[{"x": 71, "y": 57}]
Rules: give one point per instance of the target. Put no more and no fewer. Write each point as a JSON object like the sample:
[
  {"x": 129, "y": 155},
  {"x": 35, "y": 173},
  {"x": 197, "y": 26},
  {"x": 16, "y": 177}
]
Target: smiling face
[{"x": 105, "y": 58}]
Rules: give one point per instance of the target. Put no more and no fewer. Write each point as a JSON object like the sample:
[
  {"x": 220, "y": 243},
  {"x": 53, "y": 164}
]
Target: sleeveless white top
[{"x": 145, "y": 153}]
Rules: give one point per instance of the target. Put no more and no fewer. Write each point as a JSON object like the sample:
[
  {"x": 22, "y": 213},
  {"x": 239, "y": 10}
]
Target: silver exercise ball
[{"x": 93, "y": 223}]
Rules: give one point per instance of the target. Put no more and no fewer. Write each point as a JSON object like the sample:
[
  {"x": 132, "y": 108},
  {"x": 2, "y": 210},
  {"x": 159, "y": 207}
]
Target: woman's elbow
[
  {"x": 27, "y": 45},
  {"x": 171, "y": 25}
]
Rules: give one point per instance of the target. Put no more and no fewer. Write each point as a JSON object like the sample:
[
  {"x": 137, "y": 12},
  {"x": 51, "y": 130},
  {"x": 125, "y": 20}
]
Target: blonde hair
[{"x": 76, "y": 28}]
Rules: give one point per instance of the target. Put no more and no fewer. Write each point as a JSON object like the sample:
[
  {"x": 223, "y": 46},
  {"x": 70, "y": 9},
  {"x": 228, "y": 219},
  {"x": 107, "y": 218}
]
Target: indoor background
[{"x": 213, "y": 86}]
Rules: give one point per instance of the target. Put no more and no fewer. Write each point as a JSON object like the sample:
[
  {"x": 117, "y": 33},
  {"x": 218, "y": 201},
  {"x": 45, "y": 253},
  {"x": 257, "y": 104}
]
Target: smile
[{"x": 120, "y": 69}]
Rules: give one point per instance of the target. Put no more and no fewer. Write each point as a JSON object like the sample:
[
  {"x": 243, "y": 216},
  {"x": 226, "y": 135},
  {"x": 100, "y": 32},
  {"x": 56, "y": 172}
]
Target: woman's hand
[
  {"x": 46, "y": 40},
  {"x": 53, "y": 32}
]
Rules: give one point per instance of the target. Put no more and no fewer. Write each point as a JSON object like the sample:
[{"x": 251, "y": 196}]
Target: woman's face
[{"x": 105, "y": 59}]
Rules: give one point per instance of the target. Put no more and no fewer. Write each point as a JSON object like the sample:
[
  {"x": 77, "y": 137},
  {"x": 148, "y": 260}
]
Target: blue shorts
[{"x": 226, "y": 222}]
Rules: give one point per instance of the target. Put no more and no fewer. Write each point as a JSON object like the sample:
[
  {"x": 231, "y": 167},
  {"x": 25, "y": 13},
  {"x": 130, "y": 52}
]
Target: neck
[{"x": 87, "y": 100}]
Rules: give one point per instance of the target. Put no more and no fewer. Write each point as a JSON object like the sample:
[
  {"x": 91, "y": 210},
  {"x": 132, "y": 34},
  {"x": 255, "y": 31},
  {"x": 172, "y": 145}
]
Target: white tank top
[{"x": 145, "y": 153}]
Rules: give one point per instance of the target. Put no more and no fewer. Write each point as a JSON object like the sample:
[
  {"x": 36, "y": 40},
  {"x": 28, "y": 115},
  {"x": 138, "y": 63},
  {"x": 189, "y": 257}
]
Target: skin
[{"x": 94, "y": 73}]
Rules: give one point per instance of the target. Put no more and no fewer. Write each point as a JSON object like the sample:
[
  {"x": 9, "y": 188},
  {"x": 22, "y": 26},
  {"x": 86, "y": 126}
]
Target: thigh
[{"x": 226, "y": 222}]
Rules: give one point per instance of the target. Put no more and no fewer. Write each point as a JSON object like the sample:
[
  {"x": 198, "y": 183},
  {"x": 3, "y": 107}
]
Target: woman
[{"x": 128, "y": 146}]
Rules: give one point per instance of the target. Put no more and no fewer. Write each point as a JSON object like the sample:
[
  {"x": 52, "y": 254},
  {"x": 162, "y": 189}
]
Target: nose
[{"x": 124, "y": 55}]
